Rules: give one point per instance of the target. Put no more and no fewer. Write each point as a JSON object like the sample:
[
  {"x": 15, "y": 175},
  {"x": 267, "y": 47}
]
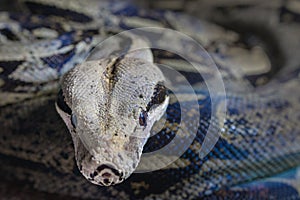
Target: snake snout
[{"x": 108, "y": 175}]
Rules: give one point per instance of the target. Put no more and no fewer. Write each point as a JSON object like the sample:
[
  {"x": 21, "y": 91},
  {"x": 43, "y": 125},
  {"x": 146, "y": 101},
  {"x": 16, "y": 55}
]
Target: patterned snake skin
[{"x": 257, "y": 155}]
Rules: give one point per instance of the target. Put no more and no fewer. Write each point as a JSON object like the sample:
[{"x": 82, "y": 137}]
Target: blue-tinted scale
[
  {"x": 250, "y": 106},
  {"x": 228, "y": 122},
  {"x": 194, "y": 78},
  {"x": 229, "y": 177},
  {"x": 233, "y": 111},
  {"x": 59, "y": 60},
  {"x": 221, "y": 155},
  {"x": 277, "y": 104},
  {"x": 230, "y": 151},
  {"x": 124, "y": 26},
  {"x": 251, "y": 131},
  {"x": 260, "y": 154},
  {"x": 133, "y": 11},
  {"x": 67, "y": 39},
  {"x": 232, "y": 127},
  {"x": 187, "y": 154},
  {"x": 242, "y": 121}
]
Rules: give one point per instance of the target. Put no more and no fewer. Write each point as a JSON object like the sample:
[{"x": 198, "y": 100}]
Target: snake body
[{"x": 260, "y": 137}]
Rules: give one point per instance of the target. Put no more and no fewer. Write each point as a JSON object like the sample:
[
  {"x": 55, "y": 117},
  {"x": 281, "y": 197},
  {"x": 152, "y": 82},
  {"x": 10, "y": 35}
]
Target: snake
[{"x": 115, "y": 102}]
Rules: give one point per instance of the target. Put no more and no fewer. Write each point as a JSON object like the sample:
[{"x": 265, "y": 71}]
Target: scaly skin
[{"x": 260, "y": 136}]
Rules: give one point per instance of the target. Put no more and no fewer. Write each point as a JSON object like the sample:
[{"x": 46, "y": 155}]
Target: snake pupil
[{"x": 143, "y": 118}]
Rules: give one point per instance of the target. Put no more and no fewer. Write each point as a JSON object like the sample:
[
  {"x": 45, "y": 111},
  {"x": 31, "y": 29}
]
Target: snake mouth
[{"x": 107, "y": 175}]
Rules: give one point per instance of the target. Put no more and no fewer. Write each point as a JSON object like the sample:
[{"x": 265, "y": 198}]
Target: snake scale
[{"x": 257, "y": 154}]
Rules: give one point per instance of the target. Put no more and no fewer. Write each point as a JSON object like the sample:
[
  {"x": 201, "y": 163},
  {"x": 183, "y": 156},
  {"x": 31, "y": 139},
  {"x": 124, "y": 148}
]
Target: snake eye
[
  {"x": 74, "y": 120},
  {"x": 143, "y": 118}
]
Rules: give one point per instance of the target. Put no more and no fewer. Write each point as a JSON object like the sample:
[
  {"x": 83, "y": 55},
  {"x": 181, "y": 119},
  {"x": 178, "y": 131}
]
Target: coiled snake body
[{"x": 259, "y": 138}]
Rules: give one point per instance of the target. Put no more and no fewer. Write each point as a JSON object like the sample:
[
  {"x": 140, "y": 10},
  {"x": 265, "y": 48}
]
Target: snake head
[{"x": 109, "y": 107}]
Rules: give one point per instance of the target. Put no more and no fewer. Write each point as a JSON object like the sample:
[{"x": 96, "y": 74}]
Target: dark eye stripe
[
  {"x": 62, "y": 104},
  {"x": 158, "y": 97}
]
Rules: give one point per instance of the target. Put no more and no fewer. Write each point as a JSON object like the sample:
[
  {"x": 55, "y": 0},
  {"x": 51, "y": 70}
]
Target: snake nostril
[{"x": 93, "y": 175}]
